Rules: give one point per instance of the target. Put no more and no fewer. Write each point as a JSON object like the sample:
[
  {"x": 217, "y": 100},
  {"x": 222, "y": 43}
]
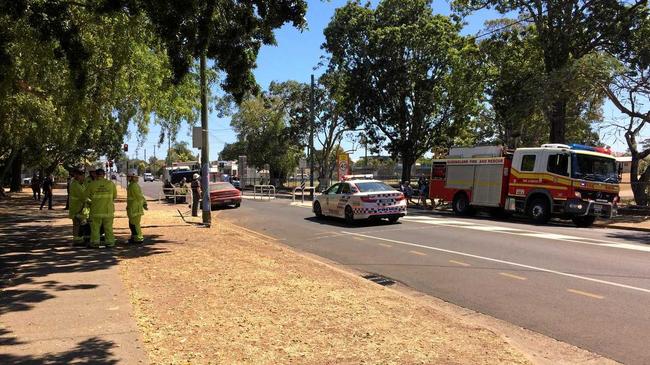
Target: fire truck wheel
[
  {"x": 539, "y": 210},
  {"x": 349, "y": 215},
  {"x": 461, "y": 205},
  {"x": 317, "y": 210},
  {"x": 584, "y": 222}
]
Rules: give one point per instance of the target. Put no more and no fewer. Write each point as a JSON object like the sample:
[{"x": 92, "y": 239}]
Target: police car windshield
[
  {"x": 372, "y": 186},
  {"x": 594, "y": 168}
]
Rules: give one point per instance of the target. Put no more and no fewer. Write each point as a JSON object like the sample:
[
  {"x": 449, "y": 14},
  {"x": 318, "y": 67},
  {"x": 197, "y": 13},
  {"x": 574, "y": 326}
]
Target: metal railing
[
  {"x": 262, "y": 188},
  {"x": 174, "y": 193},
  {"x": 302, "y": 189}
]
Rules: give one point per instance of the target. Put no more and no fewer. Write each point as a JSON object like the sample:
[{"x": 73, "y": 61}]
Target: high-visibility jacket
[
  {"x": 102, "y": 194},
  {"x": 135, "y": 201},
  {"x": 77, "y": 196}
]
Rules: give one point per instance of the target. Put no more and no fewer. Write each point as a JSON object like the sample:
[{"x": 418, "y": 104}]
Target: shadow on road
[
  {"x": 339, "y": 222},
  {"x": 91, "y": 351}
]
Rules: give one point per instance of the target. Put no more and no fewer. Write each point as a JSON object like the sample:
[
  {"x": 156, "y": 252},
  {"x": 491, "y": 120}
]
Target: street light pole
[
  {"x": 205, "y": 156},
  {"x": 311, "y": 134}
]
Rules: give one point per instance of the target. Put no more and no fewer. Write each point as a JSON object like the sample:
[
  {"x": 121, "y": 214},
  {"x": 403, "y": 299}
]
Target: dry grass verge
[{"x": 220, "y": 295}]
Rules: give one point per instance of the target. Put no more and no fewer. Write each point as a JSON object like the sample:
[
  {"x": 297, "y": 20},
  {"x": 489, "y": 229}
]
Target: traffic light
[{"x": 126, "y": 147}]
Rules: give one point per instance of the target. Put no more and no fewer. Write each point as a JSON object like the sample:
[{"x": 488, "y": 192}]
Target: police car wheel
[
  {"x": 584, "y": 222},
  {"x": 393, "y": 219},
  {"x": 349, "y": 215},
  {"x": 317, "y": 210}
]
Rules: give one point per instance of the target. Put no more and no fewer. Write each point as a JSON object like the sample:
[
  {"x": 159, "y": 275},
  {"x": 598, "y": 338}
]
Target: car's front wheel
[
  {"x": 317, "y": 210},
  {"x": 393, "y": 220}
]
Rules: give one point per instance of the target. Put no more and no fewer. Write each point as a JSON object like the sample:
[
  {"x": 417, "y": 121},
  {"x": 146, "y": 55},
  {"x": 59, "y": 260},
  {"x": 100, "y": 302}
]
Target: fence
[{"x": 259, "y": 189}]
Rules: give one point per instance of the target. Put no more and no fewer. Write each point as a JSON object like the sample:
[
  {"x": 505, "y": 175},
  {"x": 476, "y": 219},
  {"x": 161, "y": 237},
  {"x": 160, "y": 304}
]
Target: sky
[{"x": 295, "y": 57}]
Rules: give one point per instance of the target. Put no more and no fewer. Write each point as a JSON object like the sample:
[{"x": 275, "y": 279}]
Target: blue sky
[{"x": 295, "y": 57}]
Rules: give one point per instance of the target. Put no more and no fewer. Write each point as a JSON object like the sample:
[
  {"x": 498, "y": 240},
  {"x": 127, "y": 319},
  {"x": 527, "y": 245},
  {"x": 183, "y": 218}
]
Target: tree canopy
[{"x": 408, "y": 76}]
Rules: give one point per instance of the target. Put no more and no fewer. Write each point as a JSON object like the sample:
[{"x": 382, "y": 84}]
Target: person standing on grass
[
  {"x": 196, "y": 193},
  {"x": 48, "y": 185},
  {"x": 76, "y": 210},
  {"x": 136, "y": 204},
  {"x": 102, "y": 194}
]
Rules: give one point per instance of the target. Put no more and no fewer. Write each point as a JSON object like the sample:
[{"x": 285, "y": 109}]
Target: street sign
[{"x": 197, "y": 141}]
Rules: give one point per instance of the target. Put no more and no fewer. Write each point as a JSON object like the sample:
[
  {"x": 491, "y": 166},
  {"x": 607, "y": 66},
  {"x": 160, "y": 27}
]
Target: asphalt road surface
[{"x": 588, "y": 287}]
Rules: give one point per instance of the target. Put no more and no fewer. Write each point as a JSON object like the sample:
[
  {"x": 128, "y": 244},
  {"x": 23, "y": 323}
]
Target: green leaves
[{"x": 407, "y": 75}]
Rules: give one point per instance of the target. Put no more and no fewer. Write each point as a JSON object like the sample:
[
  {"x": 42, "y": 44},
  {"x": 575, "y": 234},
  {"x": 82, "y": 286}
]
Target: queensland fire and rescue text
[{"x": 574, "y": 182}]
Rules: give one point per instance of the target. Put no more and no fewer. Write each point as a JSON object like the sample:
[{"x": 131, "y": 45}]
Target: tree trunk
[
  {"x": 16, "y": 170},
  {"x": 557, "y": 119},
  {"x": 407, "y": 163},
  {"x": 639, "y": 187}
]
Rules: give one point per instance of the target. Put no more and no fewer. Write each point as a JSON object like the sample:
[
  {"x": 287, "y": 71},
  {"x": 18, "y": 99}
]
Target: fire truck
[{"x": 574, "y": 182}]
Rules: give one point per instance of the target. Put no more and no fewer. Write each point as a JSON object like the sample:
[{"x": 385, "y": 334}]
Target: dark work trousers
[
  {"x": 195, "y": 203},
  {"x": 36, "y": 193},
  {"x": 47, "y": 196}
]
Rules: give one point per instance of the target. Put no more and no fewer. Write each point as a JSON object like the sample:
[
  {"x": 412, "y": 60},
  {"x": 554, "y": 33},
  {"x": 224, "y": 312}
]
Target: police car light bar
[{"x": 356, "y": 177}]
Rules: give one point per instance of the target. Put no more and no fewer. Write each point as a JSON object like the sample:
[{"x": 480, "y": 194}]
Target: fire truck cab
[{"x": 572, "y": 182}]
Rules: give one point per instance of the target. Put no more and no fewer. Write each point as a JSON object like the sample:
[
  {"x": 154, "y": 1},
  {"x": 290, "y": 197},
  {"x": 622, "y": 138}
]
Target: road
[{"x": 587, "y": 287}]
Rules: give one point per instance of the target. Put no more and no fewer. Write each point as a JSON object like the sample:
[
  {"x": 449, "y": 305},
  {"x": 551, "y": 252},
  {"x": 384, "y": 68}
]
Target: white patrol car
[{"x": 356, "y": 199}]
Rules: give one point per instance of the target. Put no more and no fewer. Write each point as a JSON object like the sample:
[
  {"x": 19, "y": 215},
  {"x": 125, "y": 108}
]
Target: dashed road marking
[
  {"x": 418, "y": 253},
  {"x": 586, "y": 294},
  {"x": 358, "y": 238},
  {"x": 537, "y": 268},
  {"x": 385, "y": 245},
  {"x": 459, "y": 263},
  {"x": 512, "y": 276}
]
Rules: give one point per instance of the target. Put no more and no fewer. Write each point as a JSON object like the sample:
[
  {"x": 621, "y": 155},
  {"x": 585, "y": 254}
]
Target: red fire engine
[{"x": 574, "y": 182}]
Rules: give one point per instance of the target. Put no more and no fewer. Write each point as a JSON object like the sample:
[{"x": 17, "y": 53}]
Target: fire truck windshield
[{"x": 594, "y": 168}]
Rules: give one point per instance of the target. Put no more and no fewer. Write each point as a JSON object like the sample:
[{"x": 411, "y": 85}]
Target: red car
[{"x": 224, "y": 194}]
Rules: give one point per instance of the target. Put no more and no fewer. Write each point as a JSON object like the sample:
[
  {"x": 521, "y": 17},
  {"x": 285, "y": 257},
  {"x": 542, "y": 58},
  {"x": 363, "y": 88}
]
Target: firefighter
[
  {"x": 77, "y": 211},
  {"x": 196, "y": 193},
  {"x": 102, "y": 194},
  {"x": 135, "y": 206}
]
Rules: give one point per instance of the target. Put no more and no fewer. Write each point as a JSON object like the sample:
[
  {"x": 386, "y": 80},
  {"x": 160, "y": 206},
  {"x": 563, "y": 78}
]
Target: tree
[
  {"x": 407, "y": 75},
  {"x": 179, "y": 152},
  {"x": 517, "y": 90},
  {"x": 628, "y": 87},
  {"x": 568, "y": 30},
  {"x": 232, "y": 151},
  {"x": 262, "y": 123}
]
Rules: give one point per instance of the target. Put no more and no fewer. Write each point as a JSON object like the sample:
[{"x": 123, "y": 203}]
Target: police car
[{"x": 358, "y": 198}]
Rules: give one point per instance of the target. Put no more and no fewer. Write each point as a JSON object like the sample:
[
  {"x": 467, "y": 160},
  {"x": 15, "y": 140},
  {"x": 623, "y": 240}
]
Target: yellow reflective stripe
[{"x": 555, "y": 187}]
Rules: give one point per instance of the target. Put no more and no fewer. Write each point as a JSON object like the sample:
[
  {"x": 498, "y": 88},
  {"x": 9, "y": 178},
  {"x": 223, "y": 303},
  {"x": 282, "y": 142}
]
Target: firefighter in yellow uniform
[
  {"x": 135, "y": 206},
  {"x": 76, "y": 210},
  {"x": 102, "y": 194}
]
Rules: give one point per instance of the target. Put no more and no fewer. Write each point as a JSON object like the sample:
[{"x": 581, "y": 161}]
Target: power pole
[
  {"x": 311, "y": 134},
  {"x": 205, "y": 156}
]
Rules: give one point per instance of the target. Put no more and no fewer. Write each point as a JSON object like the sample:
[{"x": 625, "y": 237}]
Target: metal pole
[
  {"x": 311, "y": 134},
  {"x": 205, "y": 156}
]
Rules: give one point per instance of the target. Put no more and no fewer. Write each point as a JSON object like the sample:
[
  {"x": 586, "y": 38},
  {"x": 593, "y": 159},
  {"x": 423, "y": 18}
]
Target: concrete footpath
[{"x": 60, "y": 304}]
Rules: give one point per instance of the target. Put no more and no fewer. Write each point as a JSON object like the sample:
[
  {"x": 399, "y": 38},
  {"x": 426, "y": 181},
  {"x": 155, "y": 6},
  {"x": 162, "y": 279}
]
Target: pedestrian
[
  {"x": 424, "y": 191},
  {"x": 77, "y": 211},
  {"x": 196, "y": 193},
  {"x": 48, "y": 185},
  {"x": 102, "y": 194},
  {"x": 36, "y": 188},
  {"x": 136, "y": 204}
]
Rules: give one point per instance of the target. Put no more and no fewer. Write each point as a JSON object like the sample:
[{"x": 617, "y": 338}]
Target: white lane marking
[
  {"x": 550, "y": 271},
  {"x": 527, "y": 233}
]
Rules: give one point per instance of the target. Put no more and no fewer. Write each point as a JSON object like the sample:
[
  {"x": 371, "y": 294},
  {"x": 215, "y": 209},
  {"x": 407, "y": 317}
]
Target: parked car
[
  {"x": 224, "y": 194},
  {"x": 148, "y": 177}
]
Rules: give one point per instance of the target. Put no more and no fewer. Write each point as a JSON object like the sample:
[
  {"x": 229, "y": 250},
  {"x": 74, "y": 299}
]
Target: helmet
[
  {"x": 132, "y": 172},
  {"x": 196, "y": 176}
]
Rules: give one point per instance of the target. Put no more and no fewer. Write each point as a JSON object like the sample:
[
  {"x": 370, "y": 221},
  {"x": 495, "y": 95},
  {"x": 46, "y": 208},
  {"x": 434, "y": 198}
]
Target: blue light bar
[{"x": 575, "y": 146}]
